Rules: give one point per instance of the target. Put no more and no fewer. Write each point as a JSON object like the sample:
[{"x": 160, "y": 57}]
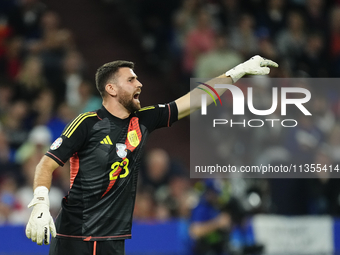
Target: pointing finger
[{"x": 268, "y": 62}]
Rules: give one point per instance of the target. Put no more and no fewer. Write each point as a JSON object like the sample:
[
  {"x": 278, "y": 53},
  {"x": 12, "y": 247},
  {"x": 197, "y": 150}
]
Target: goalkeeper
[{"x": 104, "y": 148}]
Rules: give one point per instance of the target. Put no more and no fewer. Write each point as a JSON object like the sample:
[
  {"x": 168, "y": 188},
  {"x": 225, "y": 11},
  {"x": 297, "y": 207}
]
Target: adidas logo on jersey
[{"x": 106, "y": 140}]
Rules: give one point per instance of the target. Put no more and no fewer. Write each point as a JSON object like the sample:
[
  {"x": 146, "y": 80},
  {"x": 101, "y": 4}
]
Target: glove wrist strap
[
  {"x": 40, "y": 197},
  {"x": 236, "y": 73}
]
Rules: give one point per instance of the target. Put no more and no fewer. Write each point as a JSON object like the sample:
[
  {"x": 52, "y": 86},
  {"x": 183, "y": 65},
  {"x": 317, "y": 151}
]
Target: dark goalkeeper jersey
[{"x": 105, "y": 155}]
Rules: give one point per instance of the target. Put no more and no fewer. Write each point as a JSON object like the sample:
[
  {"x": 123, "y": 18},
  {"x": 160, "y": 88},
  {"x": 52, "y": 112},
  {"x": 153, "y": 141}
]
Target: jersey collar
[{"x": 107, "y": 114}]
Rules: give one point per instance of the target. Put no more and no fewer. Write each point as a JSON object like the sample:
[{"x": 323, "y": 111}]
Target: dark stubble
[{"x": 127, "y": 101}]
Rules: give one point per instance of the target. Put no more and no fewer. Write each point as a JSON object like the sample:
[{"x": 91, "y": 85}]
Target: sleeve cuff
[
  {"x": 55, "y": 158},
  {"x": 173, "y": 113}
]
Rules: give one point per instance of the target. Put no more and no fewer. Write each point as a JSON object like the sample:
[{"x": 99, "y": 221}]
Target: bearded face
[
  {"x": 129, "y": 100},
  {"x": 127, "y": 89}
]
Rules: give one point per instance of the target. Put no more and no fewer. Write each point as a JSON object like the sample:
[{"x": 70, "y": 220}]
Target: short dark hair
[{"x": 109, "y": 70}]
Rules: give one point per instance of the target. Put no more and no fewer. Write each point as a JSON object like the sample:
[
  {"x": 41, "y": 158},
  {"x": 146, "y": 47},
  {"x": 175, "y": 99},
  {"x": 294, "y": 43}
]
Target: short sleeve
[
  {"x": 71, "y": 140},
  {"x": 158, "y": 116}
]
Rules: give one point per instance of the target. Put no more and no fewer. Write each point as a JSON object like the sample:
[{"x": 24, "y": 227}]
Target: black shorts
[{"x": 63, "y": 246}]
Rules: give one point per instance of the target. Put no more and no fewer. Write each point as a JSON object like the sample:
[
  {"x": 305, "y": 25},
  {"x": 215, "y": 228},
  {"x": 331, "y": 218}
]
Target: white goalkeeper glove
[
  {"x": 41, "y": 222},
  {"x": 255, "y": 65}
]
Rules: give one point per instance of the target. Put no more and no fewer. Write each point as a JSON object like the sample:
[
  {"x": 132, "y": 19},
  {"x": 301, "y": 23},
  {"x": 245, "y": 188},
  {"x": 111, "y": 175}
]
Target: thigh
[
  {"x": 60, "y": 246},
  {"x": 110, "y": 247}
]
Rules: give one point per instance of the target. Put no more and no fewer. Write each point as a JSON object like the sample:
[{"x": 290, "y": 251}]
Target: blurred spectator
[
  {"x": 312, "y": 60},
  {"x": 209, "y": 226},
  {"x": 88, "y": 101},
  {"x": 31, "y": 80},
  {"x": 315, "y": 15},
  {"x": 5, "y": 30},
  {"x": 335, "y": 31},
  {"x": 175, "y": 198},
  {"x": 230, "y": 14},
  {"x": 291, "y": 40},
  {"x": 13, "y": 124},
  {"x": 159, "y": 169},
  {"x": 267, "y": 48},
  {"x": 54, "y": 38},
  {"x": 7, "y": 165},
  {"x": 73, "y": 77},
  {"x": 42, "y": 108},
  {"x": 44, "y": 113},
  {"x": 181, "y": 193},
  {"x": 145, "y": 206},
  {"x": 6, "y": 94},
  {"x": 25, "y": 18},
  {"x": 185, "y": 20},
  {"x": 289, "y": 196},
  {"x": 242, "y": 37},
  {"x": 162, "y": 212},
  {"x": 4, "y": 149},
  {"x": 11, "y": 60},
  {"x": 63, "y": 115},
  {"x": 334, "y": 143},
  {"x": 272, "y": 19},
  {"x": 53, "y": 46},
  {"x": 39, "y": 140},
  {"x": 215, "y": 62},
  {"x": 334, "y": 47},
  {"x": 324, "y": 117},
  {"x": 324, "y": 191},
  {"x": 156, "y": 37},
  {"x": 199, "y": 40},
  {"x": 8, "y": 201},
  {"x": 164, "y": 187},
  {"x": 303, "y": 140},
  {"x": 269, "y": 136}
]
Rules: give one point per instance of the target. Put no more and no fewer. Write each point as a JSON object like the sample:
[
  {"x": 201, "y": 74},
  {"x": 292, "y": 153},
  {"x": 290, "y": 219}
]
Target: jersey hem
[{"x": 95, "y": 238}]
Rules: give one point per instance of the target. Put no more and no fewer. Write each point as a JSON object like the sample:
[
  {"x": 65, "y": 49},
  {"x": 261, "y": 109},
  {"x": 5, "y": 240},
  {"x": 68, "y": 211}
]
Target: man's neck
[{"x": 116, "y": 109}]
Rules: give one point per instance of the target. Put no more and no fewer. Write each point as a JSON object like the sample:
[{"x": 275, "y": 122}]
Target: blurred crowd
[
  {"x": 43, "y": 85},
  {"x": 204, "y": 38}
]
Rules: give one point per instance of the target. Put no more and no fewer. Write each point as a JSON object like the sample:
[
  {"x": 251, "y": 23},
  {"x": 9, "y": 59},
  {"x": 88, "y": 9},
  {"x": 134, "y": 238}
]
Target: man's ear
[{"x": 111, "y": 89}]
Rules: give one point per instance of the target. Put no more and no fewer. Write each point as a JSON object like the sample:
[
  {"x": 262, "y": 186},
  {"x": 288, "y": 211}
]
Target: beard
[{"x": 128, "y": 102}]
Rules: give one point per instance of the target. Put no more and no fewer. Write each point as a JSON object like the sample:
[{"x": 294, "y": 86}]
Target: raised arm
[{"x": 192, "y": 101}]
